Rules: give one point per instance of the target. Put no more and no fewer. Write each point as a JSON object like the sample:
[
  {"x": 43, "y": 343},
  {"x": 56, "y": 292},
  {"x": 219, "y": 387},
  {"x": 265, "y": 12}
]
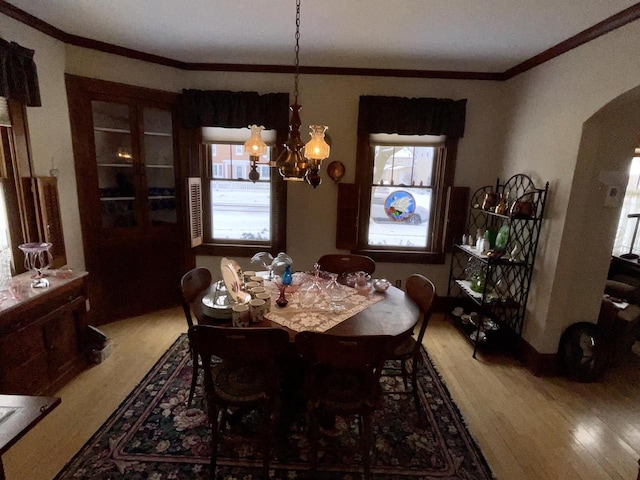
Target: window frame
[
  {"x": 278, "y": 210},
  {"x": 364, "y": 174}
]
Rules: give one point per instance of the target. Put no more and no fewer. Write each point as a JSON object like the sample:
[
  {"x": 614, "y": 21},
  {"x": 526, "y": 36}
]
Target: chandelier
[{"x": 298, "y": 161}]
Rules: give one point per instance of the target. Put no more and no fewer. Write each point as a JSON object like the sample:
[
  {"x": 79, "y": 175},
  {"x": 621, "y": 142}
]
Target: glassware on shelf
[
  {"x": 335, "y": 293},
  {"x": 516, "y": 253},
  {"x": 502, "y": 290},
  {"x": 37, "y": 258}
]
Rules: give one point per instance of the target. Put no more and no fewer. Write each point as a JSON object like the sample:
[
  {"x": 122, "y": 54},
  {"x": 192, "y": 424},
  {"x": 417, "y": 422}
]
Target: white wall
[{"x": 544, "y": 137}]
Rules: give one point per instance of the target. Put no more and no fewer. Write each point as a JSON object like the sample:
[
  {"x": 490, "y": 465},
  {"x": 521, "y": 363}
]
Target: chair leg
[
  {"x": 215, "y": 427},
  {"x": 194, "y": 379},
  {"x": 266, "y": 453},
  {"x": 366, "y": 443},
  {"x": 313, "y": 442},
  {"x": 414, "y": 380},
  {"x": 403, "y": 366}
]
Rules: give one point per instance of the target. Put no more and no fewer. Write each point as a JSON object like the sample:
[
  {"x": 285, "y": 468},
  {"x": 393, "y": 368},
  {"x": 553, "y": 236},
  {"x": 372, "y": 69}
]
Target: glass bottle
[
  {"x": 310, "y": 294},
  {"x": 287, "y": 277},
  {"x": 335, "y": 293}
]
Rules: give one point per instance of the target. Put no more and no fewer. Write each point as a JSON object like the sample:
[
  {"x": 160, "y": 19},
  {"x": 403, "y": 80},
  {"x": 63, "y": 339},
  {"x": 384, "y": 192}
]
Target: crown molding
[{"x": 612, "y": 23}]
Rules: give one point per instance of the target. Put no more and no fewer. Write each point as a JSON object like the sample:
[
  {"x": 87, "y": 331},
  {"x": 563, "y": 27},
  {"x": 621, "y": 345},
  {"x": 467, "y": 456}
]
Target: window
[
  {"x": 630, "y": 205},
  {"x": 403, "y": 179},
  {"x": 239, "y": 216},
  {"x": 403, "y": 194}
]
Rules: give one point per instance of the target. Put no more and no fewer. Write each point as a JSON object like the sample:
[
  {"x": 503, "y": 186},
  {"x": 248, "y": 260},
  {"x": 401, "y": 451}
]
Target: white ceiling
[{"x": 457, "y": 35}]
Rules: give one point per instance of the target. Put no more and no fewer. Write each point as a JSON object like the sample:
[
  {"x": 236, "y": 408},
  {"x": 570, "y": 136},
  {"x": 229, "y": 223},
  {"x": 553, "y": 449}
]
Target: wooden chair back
[
  {"x": 239, "y": 345},
  {"x": 336, "y": 263},
  {"x": 363, "y": 352},
  {"x": 423, "y": 292},
  {"x": 192, "y": 284}
]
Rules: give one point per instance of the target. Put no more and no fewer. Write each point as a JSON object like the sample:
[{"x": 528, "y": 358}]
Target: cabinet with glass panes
[
  {"x": 492, "y": 264},
  {"x": 135, "y": 166},
  {"x": 126, "y": 143}
]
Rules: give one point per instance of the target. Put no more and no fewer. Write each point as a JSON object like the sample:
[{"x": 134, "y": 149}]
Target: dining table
[{"x": 391, "y": 312}]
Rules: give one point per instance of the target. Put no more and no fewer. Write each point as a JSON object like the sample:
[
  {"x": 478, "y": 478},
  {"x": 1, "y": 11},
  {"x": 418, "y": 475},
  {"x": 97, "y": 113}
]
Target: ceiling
[{"x": 448, "y": 35}]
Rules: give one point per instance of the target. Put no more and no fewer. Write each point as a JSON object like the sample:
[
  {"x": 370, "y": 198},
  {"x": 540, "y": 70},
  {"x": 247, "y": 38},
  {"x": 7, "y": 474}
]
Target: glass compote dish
[{"x": 37, "y": 258}]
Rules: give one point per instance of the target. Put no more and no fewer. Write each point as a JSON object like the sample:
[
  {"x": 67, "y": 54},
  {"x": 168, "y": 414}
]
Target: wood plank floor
[{"x": 528, "y": 427}]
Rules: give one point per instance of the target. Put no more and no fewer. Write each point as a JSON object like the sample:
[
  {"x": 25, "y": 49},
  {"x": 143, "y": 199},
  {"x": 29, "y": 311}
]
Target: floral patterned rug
[{"x": 152, "y": 435}]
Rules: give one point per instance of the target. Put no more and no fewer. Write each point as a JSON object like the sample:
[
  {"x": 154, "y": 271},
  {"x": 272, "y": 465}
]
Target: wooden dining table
[{"x": 396, "y": 314}]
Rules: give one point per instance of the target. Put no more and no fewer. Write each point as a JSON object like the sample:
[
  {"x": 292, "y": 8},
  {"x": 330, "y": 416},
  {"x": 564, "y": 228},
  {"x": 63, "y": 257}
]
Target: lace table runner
[{"x": 320, "y": 317}]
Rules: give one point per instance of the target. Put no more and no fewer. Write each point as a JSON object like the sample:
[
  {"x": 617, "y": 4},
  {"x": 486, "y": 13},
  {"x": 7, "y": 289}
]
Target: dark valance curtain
[
  {"x": 411, "y": 116},
  {"x": 221, "y": 108},
  {"x": 18, "y": 74}
]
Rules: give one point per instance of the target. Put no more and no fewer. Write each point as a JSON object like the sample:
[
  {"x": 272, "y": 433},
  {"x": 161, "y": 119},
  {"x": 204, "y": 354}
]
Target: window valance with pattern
[
  {"x": 411, "y": 116},
  {"x": 18, "y": 74},
  {"x": 221, "y": 108}
]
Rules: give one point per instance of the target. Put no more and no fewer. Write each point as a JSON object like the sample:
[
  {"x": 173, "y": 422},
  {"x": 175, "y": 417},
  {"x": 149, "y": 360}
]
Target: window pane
[
  {"x": 400, "y": 216},
  {"x": 403, "y": 165},
  {"x": 240, "y": 211},
  {"x": 401, "y": 196},
  {"x": 630, "y": 205}
]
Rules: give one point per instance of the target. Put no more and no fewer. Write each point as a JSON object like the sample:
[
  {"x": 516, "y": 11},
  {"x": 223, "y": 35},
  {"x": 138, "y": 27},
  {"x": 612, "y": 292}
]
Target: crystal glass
[
  {"x": 502, "y": 290},
  {"x": 310, "y": 294},
  {"x": 335, "y": 293}
]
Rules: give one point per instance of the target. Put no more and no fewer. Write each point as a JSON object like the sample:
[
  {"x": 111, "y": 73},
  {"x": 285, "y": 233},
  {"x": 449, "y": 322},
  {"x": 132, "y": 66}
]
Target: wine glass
[{"x": 335, "y": 293}]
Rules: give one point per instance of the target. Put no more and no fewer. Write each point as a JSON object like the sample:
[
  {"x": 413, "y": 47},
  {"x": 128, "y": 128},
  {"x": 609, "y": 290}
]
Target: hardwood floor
[{"x": 528, "y": 427}]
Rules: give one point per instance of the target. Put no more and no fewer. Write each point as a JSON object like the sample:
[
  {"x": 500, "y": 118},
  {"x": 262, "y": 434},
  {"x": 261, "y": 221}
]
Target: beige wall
[
  {"x": 532, "y": 124},
  {"x": 544, "y": 137}
]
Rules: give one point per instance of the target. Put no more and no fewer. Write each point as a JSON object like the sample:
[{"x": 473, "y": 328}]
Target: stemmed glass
[{"x": 335, "y": 293}]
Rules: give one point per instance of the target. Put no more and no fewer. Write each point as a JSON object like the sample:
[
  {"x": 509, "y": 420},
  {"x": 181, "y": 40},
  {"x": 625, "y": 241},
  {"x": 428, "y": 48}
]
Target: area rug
[{"x": 154, "y": 436}]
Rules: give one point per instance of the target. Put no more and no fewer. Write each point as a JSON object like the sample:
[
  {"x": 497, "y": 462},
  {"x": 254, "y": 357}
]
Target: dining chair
[
  {"x": 192, "y": 284},
  {"x": 342, "y": 378},
  {"x": 336, "y": 263},
  {"x": 248, "y": 377},
  {"x": 423, "y": 292}
]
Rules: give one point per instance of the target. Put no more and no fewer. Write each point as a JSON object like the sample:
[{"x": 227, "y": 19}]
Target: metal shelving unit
[{"x": 501, "y": 313}]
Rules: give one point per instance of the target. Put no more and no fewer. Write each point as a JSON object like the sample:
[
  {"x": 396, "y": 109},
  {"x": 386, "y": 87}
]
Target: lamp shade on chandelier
[{"x": 255, "y": 148}]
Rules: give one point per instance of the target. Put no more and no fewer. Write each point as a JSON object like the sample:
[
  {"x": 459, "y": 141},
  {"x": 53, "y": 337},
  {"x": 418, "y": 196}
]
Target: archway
[{"x": 606, "y": 147}]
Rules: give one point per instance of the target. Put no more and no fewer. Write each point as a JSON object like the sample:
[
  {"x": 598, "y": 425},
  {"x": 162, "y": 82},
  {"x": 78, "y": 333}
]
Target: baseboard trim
[{"x": 540, "y": 364}]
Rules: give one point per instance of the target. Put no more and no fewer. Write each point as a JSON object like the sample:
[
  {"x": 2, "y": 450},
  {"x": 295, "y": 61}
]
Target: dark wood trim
[
  {"x": 608, "y": 25},
  {"x": 540, "y": 364},
  {"x": 612, "y": 23}
]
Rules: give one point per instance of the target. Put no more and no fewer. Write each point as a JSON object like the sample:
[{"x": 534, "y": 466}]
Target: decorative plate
[
  {"x": 231, "y": 278},
  {"x": 400, "y": 206}
]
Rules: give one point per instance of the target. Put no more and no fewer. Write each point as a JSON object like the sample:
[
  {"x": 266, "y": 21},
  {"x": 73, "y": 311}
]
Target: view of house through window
[
  {"x": 239, "y": 209},
  {"x": 630, "y": 205},
  {"x": 402, "y": 195}
]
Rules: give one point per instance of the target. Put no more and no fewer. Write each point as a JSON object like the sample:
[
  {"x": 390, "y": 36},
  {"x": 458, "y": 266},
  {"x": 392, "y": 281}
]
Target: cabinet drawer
[
  {"x": 19, "y": 347},
  {"x": 26, "y": 379}
]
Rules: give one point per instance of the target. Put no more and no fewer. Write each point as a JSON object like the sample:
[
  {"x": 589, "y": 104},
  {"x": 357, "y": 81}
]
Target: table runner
[{"x": 320, "y": 317}]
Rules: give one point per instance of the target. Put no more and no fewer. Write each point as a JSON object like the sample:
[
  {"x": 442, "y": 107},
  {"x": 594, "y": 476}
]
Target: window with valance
[
  {"x": 405, "y": 164},
  {"x": 237, "y": 216}
]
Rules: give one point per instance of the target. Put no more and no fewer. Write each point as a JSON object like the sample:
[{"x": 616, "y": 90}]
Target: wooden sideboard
[{"x": 41, "y": 335}]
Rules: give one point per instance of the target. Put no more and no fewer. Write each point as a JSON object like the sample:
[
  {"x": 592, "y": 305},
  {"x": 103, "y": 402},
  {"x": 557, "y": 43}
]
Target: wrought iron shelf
[{"x": 467, "y": 262}]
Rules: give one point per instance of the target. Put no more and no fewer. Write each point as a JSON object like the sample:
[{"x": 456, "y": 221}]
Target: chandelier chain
[{"x": 297, "y": 67}]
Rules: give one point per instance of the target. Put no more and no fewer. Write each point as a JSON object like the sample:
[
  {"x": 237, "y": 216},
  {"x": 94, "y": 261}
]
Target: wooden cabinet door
[
  {"x": 126, "y": 150},
  {"x": 23, "y": 361}
]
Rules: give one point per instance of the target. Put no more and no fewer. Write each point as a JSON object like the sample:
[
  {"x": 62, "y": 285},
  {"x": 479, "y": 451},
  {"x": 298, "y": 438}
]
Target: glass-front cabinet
[
  {"x": 126, "y": 145},
  {"x": 135, "y": 164}
]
